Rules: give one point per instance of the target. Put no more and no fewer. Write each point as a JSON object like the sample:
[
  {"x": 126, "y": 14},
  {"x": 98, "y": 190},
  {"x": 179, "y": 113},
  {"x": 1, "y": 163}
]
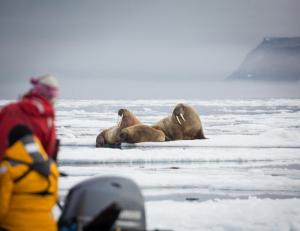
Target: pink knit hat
[{"x": 45, "y": 85}]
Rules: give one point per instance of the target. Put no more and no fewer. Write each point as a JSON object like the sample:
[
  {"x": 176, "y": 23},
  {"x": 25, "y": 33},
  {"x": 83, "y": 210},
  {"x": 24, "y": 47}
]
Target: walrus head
[
  {"x": 179, "y": 113},
  {"x": 108, "y": 137},
  {"x": 122, "y": 111},
  {"x": 189, "y": 120},
  {"x": 127, "y": 118}
]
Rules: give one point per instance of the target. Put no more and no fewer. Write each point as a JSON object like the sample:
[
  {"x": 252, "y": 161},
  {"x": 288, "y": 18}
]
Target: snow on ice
[{"x": 246, "y": 176}]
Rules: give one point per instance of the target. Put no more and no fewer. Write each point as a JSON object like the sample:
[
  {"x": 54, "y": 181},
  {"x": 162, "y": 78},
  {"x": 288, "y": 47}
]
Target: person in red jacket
[{"x": 35, "y": 110}]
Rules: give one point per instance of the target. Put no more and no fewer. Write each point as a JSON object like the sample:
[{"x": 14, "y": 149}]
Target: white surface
[
  {"x": 251, "y": 214},
  {"x": 246, "y": 176}
]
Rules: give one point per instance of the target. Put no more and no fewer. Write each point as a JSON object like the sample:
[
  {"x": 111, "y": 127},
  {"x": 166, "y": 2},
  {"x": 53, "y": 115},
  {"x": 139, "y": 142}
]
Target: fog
[
  {"x": 178, "y": 89},
  {"x": 91, "y": 88},
  {"x": 139, "y": 49}
]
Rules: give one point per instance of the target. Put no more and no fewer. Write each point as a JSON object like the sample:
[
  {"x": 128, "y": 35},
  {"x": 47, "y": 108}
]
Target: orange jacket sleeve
[{"x": 6, "y": 187}]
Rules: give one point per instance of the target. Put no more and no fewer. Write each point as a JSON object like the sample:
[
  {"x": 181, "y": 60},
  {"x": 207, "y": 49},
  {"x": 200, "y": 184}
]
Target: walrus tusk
[
  {"x": 182, "y": 117},
  {"x": 178, "y": 120},
  {"x": 120, "y": 121}
]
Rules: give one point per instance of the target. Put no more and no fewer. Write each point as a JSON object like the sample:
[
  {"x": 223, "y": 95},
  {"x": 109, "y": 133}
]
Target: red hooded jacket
[{"x": 37, "y": 113}]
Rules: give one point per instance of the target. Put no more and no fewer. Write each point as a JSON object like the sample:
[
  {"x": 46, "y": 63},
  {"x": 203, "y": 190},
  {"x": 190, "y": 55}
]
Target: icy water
[{"x": 246, "y": 176}]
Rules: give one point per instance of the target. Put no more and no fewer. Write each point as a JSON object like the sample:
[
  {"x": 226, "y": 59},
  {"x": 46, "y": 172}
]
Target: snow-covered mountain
[{"x": 275, "y": 59}]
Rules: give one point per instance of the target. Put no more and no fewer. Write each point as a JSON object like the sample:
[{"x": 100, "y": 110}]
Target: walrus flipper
[
  {"x": 168, "y": 138},
  {"x": 200, "y": 134}
]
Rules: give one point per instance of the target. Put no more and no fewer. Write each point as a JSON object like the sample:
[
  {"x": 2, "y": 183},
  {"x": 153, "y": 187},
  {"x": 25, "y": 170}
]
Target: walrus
[
  {"x": 111, "y": 136},
  {"x": 141, "y": 133},
  {"x": 183, "y": 124}
]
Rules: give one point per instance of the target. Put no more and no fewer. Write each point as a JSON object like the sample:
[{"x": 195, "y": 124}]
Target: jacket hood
[{"x": 36, "y": 105}]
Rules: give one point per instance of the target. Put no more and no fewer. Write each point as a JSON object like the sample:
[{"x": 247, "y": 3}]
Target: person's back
[
  {"x": 35, "y": 110},
  {"x": 28, "y": 185}
]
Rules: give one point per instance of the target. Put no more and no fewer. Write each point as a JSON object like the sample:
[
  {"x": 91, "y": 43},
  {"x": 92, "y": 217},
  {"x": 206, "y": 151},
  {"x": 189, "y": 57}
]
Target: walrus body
[
  {"x": 183, "y": 124},
  {"x": 111, "y": 136},
  {"x": 141, "y": 133}
]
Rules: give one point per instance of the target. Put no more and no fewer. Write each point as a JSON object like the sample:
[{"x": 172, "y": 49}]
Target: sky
[{"x": 107, "y": 44}]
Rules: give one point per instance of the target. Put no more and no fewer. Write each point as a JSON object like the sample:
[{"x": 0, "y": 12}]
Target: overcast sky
[{"x": 136, "y": 39}]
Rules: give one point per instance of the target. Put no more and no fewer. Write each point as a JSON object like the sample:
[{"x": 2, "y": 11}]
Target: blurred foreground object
[
  {"x": 28, "y": 184},
  {"x": 35, "y": 110},
  {"x": 104, "y": 203}
]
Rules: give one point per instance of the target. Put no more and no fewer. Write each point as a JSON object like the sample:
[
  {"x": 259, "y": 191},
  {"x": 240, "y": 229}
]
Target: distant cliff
[{"x": 275, "y": 59}]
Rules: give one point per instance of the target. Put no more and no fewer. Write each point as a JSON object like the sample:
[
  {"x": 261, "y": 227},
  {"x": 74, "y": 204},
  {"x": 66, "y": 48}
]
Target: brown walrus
[
  {"x": 111, "y": 136},
  {"x": 141, "y": 133},
  {"x": 183, "y": 124}
]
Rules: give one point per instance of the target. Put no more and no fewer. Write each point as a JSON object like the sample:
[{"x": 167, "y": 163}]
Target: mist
[
  {"x": 179, "y": 89},
  {"x": 140, "y": 49},
  {"x": 134, "y": 89}
]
